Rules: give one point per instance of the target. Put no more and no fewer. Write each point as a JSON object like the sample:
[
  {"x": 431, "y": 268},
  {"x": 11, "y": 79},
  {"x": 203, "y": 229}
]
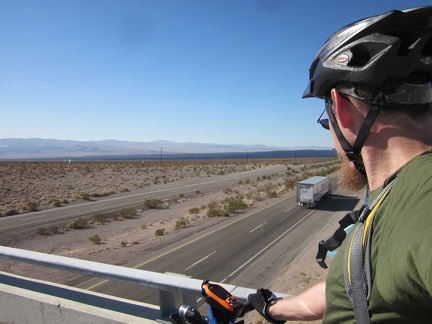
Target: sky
[{"x": 206, "y": 71}]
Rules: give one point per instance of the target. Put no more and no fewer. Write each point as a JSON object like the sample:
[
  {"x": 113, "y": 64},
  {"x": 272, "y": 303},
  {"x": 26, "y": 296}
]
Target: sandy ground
[{"x": 132, "y": 239}]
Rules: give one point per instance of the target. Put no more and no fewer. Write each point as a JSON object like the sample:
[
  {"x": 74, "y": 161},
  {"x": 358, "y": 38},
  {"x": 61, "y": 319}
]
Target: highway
[
  {"x": 248, "y": 250},
  {"x": 100, "y": 205}
]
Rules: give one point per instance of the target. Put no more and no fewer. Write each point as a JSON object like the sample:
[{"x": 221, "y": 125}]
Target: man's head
[{"x": 382, "y": 63}]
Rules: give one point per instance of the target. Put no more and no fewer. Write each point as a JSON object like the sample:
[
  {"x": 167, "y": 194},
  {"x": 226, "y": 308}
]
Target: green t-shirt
[{"x": 401, "y": 254}]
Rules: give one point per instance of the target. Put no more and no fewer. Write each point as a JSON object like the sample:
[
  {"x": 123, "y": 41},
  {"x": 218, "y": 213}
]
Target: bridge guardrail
[{"x": 168, "y": 285}]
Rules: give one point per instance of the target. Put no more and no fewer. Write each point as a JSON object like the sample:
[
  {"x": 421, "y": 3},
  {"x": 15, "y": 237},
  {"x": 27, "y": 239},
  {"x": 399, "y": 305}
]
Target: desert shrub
[
  {"x": 182, "y": 222},
  {"x": 85, "y": 196},
  {"x": 270, "y": 191},
  {"x": 101, "y": 218},
  {"x": 127, "y": 213},
  {"x": 234, "y": 204},
  {"x": 258, "y": 197},
  {"x": 194, "y": 210},
  {"x": 151, "y": 203},
  {"x": 272, "y": 194},
  {"x": 32, "y": 206},
  {"x": 160, "y": 232},
  {"x": 10, "y": 212},
  {"x": 215, "y": 211},
  {"x": 95, "y": 239},
  {"x": 290, "y": 184},
  {"x": 56, "y": 203},
  {"x": 80, "y": 223},
  {"x": 213, "y": 204},
  {"x": 54, "y": 229},
  {"x": 100, "y": 194},
  {"x": 115, "y": 216},
  {"x": 42, "y": 231},
  {"x": 124, "y": 189},
  {"x": 29, "y": 205}
]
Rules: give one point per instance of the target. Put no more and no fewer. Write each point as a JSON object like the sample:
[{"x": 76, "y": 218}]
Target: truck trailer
[{"x": 312, "y": 190}]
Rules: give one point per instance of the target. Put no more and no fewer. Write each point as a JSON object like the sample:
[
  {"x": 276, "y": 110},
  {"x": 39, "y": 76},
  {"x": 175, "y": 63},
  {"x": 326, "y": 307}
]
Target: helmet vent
[
  {"x": 363, "y": 55},
  {"x": 360, "y": 56},
  {"x": 409, "y": 40}
]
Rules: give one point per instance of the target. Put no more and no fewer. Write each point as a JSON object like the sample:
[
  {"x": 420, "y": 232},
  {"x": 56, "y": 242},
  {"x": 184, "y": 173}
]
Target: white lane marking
[
  {"x": 265, "y": 248},
  {"x": 288, "y": 209},
  {"x": 194, "y": 264},
  {"x": 257, "y": 227}
]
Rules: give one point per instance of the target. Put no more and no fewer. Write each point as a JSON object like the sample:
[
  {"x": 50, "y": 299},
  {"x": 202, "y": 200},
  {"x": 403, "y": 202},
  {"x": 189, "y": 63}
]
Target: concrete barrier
[{"x": 22, "y": 301}]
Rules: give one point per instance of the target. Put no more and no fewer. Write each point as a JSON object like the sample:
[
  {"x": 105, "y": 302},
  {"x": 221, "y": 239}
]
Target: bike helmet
[
  {"x": 389, "y": 54},
  {"x": 393, "y": 47}
]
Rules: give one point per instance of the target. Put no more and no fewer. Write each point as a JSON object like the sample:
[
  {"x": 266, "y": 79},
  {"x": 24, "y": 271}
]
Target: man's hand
[{"x": 261, "y": 301}]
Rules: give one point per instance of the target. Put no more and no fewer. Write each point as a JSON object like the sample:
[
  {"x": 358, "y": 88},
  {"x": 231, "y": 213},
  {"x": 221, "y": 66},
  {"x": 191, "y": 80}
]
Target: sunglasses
[
  {"x": 324, "y": 122},
  {"x": 329, "y": 105}
]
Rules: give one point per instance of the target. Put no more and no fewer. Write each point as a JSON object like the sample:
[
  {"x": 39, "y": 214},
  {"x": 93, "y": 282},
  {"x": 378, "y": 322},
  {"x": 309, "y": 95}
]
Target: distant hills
[{"x": 37, "y": 149}]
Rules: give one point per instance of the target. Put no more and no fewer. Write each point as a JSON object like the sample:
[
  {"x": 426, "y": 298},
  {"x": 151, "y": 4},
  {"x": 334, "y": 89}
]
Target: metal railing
[{"x": 168, "y": 285}]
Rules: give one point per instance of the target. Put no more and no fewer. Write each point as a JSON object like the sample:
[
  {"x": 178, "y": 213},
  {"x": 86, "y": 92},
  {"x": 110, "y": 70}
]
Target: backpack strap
[
  {"x": 357, "y": 268},
  {"x": 333, "y": 242}
]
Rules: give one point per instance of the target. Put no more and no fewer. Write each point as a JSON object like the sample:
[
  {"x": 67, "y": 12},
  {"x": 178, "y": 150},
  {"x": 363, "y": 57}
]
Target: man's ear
[{"x": 343, "y": 109}]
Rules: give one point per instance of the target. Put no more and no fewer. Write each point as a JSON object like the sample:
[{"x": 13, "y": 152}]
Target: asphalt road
[{"x": 248, "y": 250}]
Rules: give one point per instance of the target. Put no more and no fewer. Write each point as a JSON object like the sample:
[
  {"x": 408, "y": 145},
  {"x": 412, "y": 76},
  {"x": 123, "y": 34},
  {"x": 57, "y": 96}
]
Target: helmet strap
[{"x": 353, "y": 152}]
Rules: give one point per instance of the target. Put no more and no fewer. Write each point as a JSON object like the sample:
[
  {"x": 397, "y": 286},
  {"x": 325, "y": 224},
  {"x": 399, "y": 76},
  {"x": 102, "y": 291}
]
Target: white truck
[{"x": 312, "y": 190}]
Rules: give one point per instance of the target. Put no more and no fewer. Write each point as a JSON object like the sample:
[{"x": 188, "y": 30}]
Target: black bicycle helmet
[
  {"x": 389, "y": 54},
  {"x": 395, "y": 46}
]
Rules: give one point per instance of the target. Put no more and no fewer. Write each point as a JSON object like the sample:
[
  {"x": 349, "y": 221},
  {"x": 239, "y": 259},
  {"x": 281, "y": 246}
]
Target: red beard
[{"x": 349, "y": 178}]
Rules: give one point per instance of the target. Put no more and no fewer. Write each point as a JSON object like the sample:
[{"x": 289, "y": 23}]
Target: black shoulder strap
[{"x": 333, "y": 242}]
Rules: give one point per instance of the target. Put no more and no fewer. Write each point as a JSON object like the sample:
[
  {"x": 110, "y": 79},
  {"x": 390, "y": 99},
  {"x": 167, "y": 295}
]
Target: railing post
[{"x": 166, "y": 304}]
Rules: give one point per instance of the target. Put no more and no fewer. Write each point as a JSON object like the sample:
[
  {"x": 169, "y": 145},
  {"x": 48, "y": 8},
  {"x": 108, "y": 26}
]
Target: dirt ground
[{"x": 123, "y": 240}]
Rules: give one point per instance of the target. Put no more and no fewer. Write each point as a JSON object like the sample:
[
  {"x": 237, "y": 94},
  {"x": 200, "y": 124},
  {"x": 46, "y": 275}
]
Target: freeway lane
[
  {"x": 101, "y": 205},
  {"x": 268, "y": 239}
]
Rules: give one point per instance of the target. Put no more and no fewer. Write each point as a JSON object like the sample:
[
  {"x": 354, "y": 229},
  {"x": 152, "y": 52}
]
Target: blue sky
[{"x": 220, "y": 71}]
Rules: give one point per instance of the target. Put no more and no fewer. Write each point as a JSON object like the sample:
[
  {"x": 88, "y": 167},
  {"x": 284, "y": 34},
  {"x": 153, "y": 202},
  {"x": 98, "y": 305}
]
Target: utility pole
[{"x": 161, "y": 157}]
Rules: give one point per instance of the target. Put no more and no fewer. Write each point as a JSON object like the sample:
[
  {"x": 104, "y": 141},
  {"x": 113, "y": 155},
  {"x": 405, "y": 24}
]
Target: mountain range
[{"x": 37, "y": 148}]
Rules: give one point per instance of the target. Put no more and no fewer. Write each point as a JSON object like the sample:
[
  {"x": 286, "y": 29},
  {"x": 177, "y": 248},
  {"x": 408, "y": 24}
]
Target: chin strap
[{"x": 353, "y": 152}]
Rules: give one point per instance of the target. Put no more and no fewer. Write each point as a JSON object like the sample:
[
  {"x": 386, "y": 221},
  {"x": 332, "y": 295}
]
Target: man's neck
[{"x": 382, "y": 163}]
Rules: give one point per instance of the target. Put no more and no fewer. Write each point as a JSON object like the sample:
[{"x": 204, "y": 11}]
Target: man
[{"x": 375, "y": 77}]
